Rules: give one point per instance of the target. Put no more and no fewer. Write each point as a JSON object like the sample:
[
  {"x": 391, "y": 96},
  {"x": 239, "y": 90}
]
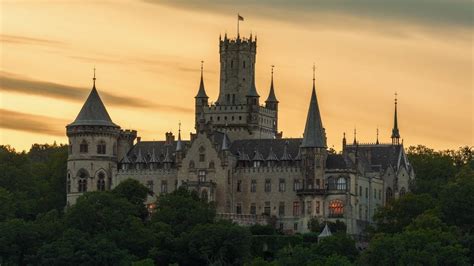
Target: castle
[{"x": 238, "y": 159}]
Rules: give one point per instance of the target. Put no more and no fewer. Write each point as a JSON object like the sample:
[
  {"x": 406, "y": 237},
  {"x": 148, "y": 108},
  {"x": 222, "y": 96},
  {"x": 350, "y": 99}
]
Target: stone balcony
[{"x": 243, "y": 219}]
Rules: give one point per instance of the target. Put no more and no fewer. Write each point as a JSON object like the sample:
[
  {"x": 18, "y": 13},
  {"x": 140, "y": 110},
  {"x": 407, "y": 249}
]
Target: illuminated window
[{"x": 336, "y": 208}]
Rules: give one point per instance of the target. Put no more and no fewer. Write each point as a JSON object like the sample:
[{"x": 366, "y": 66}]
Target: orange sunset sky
[{"x": 148, "y": 53}]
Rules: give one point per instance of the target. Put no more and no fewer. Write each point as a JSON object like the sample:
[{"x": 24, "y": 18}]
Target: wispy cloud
[
  {"x": 15, "y": 39},
  {"x": 32, "y": 123},
  {"x": 19, "y": 84},
  {"x": 421, "y": 12}
]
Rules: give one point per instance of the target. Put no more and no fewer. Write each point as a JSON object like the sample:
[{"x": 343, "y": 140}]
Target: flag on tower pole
[{"x": 239, "y": 18}]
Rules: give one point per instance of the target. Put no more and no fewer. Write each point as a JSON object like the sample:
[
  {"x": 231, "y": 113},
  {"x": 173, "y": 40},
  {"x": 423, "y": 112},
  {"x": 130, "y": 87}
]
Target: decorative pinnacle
[
  {"x": 202, "y": 67},
  {"x": 377, "y": 135},
  {"x": 272, "y": 70},
  {"x": 314, "y": 73},
  {"x": 94, "y": 78},
  {"x": 396, "y": 95}
]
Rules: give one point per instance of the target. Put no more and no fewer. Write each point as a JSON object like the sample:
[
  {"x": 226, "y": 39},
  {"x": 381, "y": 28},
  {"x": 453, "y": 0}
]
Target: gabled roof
[
  {"x": 271, "y": 155},
  {"x": 286, "y": 156},
  {"x": 93, "y": 112},
  {"x": 257, "y": 156},
  {"x": 314, "y": 135}
]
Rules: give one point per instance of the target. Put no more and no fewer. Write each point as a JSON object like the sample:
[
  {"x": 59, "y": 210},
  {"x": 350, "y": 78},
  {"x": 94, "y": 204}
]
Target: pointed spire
[
  {"x": 179, "y": 144},
  {"x": 257, "y": 156},
  {"x": 355, "y": 135},
  {"x": 395, "y": 131},
  {"x": 167, "y": 158},
  {"x": 93, "y": 86},
  {"x": 377, "y": 141},
  {"x": 271, "y": 94},
  {"x": 344, "y": 141},
  {"x": 314, "y": 135},
  {"x": 202, "y": 90},
  {"x": 93, "y": 112},
  {"x": 126, "y": 160},
  {"x": 153, "y": 158},
  {"x": 140, "y": 158},
  {"x": 225, "y": 143},
  {"x": 285, "y": 156},
  {"x": 271, "y": 155}
]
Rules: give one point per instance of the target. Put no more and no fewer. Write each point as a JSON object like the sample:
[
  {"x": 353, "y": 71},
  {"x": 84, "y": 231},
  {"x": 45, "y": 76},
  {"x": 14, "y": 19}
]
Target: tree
[
  {"x": 338, "y": 244},
  {"x": 7, "y": 205},
  {"x": 399, "y": 213},
  {"x": 135, "y": 193},
  {"x": 182, "y": 210},
  {"x": 222, "y": 243},
  {"x": 18, "y": 242}
]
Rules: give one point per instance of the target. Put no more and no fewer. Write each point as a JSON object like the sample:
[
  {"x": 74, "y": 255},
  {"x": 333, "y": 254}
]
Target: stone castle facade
[{"x": 238, "y": 158}]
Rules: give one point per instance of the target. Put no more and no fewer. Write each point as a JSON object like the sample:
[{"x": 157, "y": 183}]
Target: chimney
[
  {"x": 139, "y": 139},
  {"x": 169, "y": 138}
]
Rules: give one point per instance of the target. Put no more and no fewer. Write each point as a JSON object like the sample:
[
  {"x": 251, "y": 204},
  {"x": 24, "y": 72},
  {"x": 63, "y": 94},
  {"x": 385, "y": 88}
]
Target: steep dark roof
[
  {"x": 202, "y": 91},
  {"x": 314, "y": 135},
  {"x": 337, "y": 161},
  {"x": 271, "y": 95},
  {"x": 147, "y": 148},
  {"x": 93, "y": 112},
  {"x": 252, "y": 89},
  {"x": 249, "y": 146},
  {"x": 383, "y": 155}
]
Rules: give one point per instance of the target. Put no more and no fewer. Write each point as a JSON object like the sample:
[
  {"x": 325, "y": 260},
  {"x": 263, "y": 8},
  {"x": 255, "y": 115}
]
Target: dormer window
[
  {"x": 83, "y": 147},
  {"x": 101, "y": 147}
]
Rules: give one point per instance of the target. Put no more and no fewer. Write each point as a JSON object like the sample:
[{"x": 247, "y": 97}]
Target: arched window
[
  {"x": 82, "y": 182},
  {"x": 202, "y": 154},
  {"x": 68, "y": 183},
  {"x": 191, "y": 164},
  {"x": 83, "y": 147},
  {"x": 109, "y": 182},
  {"x": 211, "y": 165},
  {"x": 101, "y": 147},
  {"x": 388, "y": 194},
  {"x": 341, "y": 183},
  {"x": 101, "y": 182},
  {"x": 336, "y": 209},
  {"x": 402, "y": 191}
]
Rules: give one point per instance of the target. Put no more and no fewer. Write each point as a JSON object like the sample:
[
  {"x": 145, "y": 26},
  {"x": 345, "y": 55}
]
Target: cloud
[
  {"x": 15, "y": 39},
  {"x": 431, "y": 13},
  {"x": 32, "y": 123},
  {"x": 19, "y": 84}
]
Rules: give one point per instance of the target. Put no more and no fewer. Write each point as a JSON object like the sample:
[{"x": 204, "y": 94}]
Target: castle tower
[
  {"x": 395, "y": 131},
  {"x": 92, "y": 158},
  {"x": 313, "y": 146},
  {"x": 237, "y": 72},
  {"x": 201, "y": 99},
  {"x": 272, "y": 103}
]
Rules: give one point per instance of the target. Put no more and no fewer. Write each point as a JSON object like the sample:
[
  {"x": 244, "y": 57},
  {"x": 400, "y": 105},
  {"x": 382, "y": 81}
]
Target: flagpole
[{"x": 238, "y": 21}]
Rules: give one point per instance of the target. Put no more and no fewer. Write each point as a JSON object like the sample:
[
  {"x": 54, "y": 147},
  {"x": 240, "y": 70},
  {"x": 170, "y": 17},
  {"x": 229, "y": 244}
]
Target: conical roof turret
[
  {"x": 271, "y": 95},
  {"x": 202, "y": 91},
  {"x": 93, "y": 112},
  {"x": 314, "y": 135}
]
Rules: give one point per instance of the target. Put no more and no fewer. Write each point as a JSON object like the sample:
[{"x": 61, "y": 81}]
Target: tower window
[
  {"x": 239, "y": 186},
  {"x": 101, "y": 147},
  {"x": 267, "y": 209},
  {"x": 68, "y": 185},
  {"x": 231, "y": 63},
  {"x": 202, "y": 175},
  {"x": 268, "y": 185},
  {"x": 253, "y": 209},
  {"x": 101, "y": 182},
  {"x": 281, "y": 208},
  {"x": 83, "y": 147},
  {"x": 253, "y": 185},
  {"x": 244, "y": 64},
  {"x": 82, "y": 182},
  {"x": 164, "y": 186},
  {"x": 341, "y": 183}
]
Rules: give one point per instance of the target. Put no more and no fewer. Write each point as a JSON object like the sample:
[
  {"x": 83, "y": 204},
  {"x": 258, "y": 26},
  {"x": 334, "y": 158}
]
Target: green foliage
[
  {"x": 337, "y": 244},
  {"x": 259, "y": 229},
  {"x": 315, "y": 225},
  {"x": 182, "y": 210},
  {"x": 266, "y": 246},
  {"x": 135, "y": 193},
  {"x": 397, "y": 214}
]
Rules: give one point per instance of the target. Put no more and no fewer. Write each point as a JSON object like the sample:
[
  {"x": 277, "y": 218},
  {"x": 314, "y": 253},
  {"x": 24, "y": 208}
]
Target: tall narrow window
[
  {"x": 267, "y": 210},
  {"x": 253, "y": 209},
  {"x": 388, "y": 195},
  {"x": 341, "y": 183},
  {"x": 296, "y": 208},
  {"x": 268, "y": 185},
  {"x": 82, "y": 182},
  {"x": 281, "y": 208},
  {"x": 282, "y": 185},
  {"x": 150, "y": 185},
  {"x": 309, "y": 207},
  {"x": 318, "y": 206},
  {"x": 83, "y": 147},
  {"x": 243, "y": 64},
  {"x": 239, "y": 185},
  {"x": 238, "y": 208},
  {"x": 101, "y": 147},
  {"x": 68, "y": 184},
  {"x": 202, "y": 175},
  {"x": 164, "y": 186},
  {"x": 101, "y": 182},
  {"x": 253, "y": 185}
]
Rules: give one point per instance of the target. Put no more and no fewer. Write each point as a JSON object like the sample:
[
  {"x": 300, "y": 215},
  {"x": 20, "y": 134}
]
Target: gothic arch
[
  {"x": 403, "y": 191},
  {"x": 82, "y": 180},
  {"x": 388, "y": 194},
  {"x": 204, "y": 194}
]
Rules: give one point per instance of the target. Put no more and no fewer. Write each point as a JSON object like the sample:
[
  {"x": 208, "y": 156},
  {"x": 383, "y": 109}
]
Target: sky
[{"x": 147, "y": 54}]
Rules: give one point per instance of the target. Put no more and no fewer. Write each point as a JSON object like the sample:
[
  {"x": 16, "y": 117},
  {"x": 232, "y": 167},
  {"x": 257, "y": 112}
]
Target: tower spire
[
  {"x": 179, "y": 145},
  {"x": 355, "y": 135},
  {"x": 395, "y": 131},
  {"x": 314, "y": 135},
  {"x": 314, "y": 76},
  {"x": 202, "y": 90},
  {"x": 93, "y": 80},
  {"x": 271, "y": 95},
  {"x": 377, "y": 142}
]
